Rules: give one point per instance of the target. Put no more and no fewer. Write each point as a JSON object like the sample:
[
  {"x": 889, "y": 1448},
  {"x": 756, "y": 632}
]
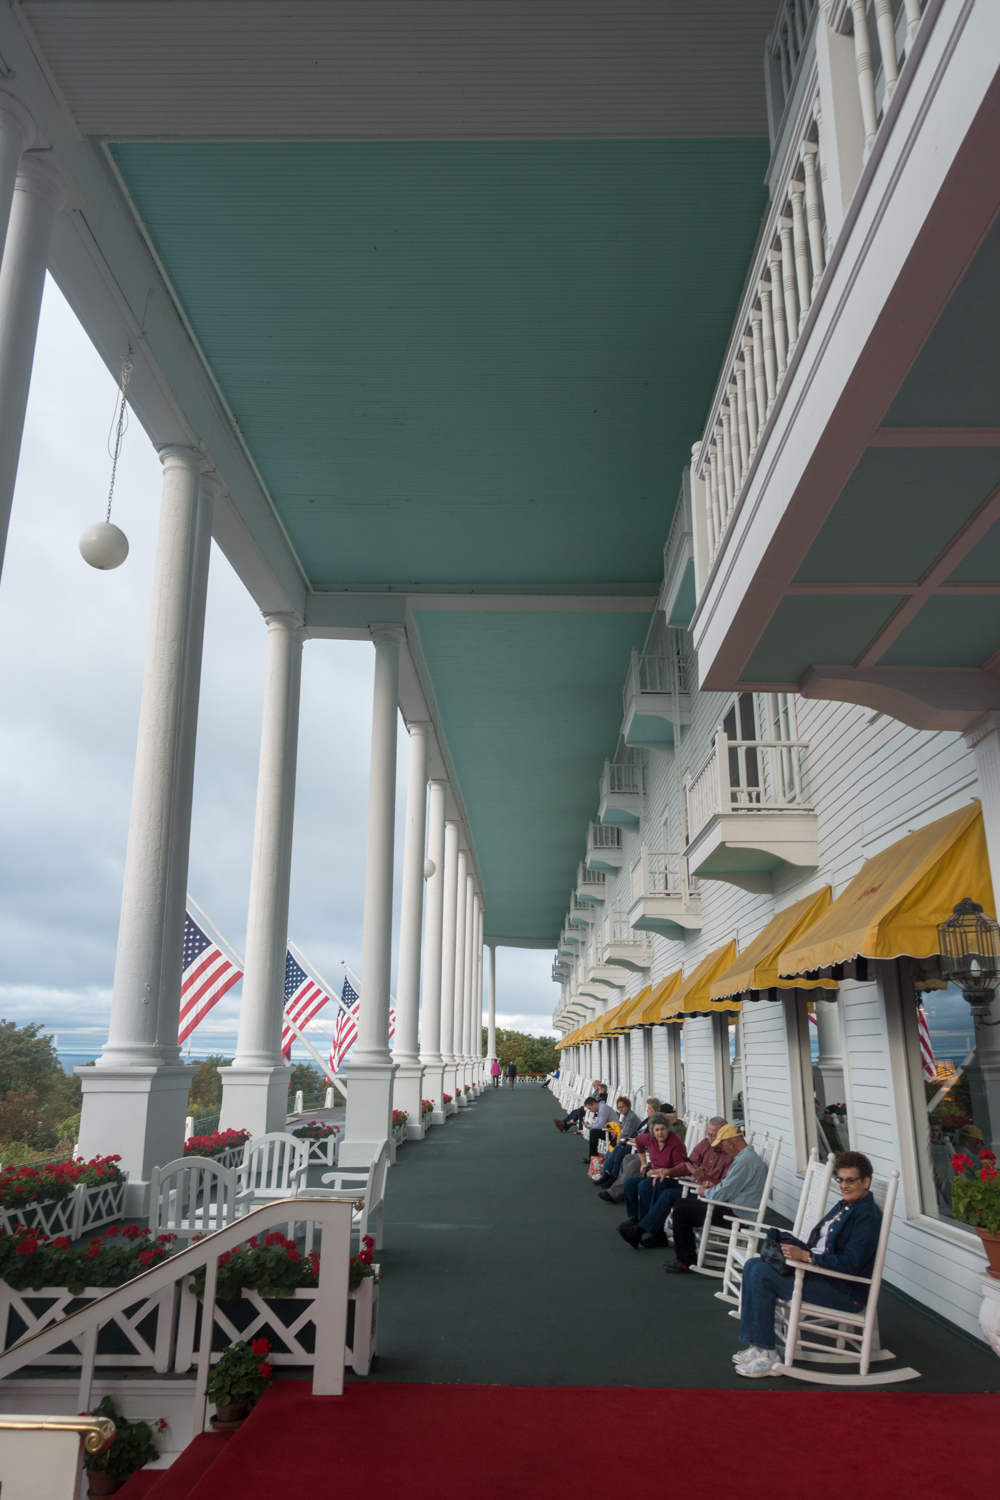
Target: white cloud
[{"x": 72, "y": 642}]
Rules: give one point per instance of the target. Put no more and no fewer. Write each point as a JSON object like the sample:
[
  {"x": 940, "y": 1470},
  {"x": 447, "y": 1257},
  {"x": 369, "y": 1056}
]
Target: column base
[
  {"x": 407, "y": 1093},
  {"x": 434, "y": 1089},
  {"x": 369, "y": 1111},
  {"x": 254, "y": 1098},
  {"x": 449, "y": 1087},
  {"x": 137, "y": 1114}
]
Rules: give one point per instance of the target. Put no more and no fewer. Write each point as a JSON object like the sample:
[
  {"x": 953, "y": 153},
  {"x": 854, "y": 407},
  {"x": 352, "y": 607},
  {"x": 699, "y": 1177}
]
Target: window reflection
[{"x": 960, "y": 1063}]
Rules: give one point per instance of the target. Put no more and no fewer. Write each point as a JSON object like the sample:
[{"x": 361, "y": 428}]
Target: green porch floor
[{"x": 503, "y": 1267}]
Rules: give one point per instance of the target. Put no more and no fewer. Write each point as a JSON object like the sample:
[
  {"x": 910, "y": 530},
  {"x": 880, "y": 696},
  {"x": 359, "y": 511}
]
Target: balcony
[
  {"x": 747, "y": 813},
  {"x": 664, "y": 898},
  {"x": 604, "y": 847},
  {"x": 656, "y": 697},
  {"x": 569, "y": 943},
  {"x": 602, "y": 977},
  {"x": 581, "y": 913},
  {"x": 590, "y": 885},
  {"x": 623, "y": 947},
  {"x": 621, "y": 793}
]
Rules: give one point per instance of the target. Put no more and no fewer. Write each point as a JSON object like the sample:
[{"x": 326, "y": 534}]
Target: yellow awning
[
  {"x": 630, "y": 1010},
  {"x": 693, "y": 997},
  {"x": 757, "y": 966},
  {"x": 897, "y": 900},
  {"x": 607, "y": 1023},
  {"x": 661, "y": 992}
]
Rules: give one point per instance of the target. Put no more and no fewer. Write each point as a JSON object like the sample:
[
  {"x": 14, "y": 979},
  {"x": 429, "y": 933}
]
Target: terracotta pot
[
  {"x": 228, "y": 1418},
  {"x": 991, "y": 1244},
  {"x": 100, "y": 1483},
  {"x": 219, "y": 1426}
]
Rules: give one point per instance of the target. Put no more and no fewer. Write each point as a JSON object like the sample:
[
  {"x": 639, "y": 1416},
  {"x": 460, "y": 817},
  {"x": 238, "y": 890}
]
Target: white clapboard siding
[
  {"x": 699, "y": 1067},
  {"x": 767, "y": 1093}
]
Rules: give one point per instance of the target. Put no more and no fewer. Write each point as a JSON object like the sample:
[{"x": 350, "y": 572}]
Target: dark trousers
[
  {"x": 496, "y": 1080},
  {"x": 595, "y": 1136},
  {"x": 573, "y": 1118},
  {"x": 689, "y": 1216},
  {"x": 613, "y": 1160},
  {"x": 653, "y": 1217},
  {"x": 763, "y": 1285}
]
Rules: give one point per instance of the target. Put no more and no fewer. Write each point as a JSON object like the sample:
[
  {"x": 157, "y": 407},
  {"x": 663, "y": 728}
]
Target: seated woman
[
  {"x": 650, "y": 1196},
  {"x": 844, "y": 1240}
]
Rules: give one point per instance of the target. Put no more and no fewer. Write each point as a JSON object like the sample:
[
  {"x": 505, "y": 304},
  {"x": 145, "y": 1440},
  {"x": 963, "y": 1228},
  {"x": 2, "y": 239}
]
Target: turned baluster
[
  {"x": 778, "y": 314},
  {"x": 801, "y": 251},
  {"x": 887, "y": 45},
  {"x": 769, "y": 340},
  {"x": 788, "y": 284},
  {"x": 912, "y": 21},
  {"x": 751, "y": 390},
  {"x": 814, "y": 215},
  {"x": 727, "y": 469},
  {"x": 759, "y": 368},
  {"x": 866, "y": 78},
  {"x": 742, "y": 418},
  {"x": 734, "y": 440}
]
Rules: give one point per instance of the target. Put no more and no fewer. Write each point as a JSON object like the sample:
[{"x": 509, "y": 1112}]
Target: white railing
[
  {"x": 621, "y": 777},
  {"x": 670, "y": 674},
  {"x": 591, "y": 877},
  {"x": 746, "y": 776},
  {"x": 619, "y": 930},
  {"x": 581, "y": 912},
  {"x": 795, "y": 244},
  {"x": 604, "y": 836},
  {"x": 329, "y": 1306},
  {"x": 661, "y": 873}
]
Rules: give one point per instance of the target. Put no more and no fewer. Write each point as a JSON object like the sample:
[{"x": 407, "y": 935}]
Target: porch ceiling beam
[{"x": 951, "y": 590}]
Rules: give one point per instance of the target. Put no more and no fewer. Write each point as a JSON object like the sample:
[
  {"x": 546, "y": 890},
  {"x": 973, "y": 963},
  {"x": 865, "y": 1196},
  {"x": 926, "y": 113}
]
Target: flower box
[
  {"x": 224, "y": 1147},
  {"x": 288, "y": 1322},
  {"x": 399, "y": 1134},
  {"x": 86, "y": 1208},
  {"x": 140, "y": 1337}
]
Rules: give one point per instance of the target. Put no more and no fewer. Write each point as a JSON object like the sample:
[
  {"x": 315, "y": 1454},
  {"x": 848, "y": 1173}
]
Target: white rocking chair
[
  {"x": 194, "y": 1196},
  {"x": 745, "y": 1239},
  {"x": 847, "y": 1337},
  {"x": 365, "y": 1187}
]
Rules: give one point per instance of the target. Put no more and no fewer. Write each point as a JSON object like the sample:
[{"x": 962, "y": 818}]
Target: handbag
[
  {"x": 770, "y": 1251},
  {"x": 596, "y": 1167}
]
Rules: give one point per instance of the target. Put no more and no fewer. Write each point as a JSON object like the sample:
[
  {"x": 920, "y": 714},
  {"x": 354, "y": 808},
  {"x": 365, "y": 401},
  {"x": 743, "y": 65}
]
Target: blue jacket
[{"x": 852, "y": 1242}]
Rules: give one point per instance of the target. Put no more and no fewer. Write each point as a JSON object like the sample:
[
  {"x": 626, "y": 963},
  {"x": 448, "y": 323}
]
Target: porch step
[{"x": 177, "y": 1482}]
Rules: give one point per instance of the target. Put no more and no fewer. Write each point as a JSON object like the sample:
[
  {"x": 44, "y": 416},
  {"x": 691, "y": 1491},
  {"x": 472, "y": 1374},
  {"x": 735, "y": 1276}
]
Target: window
[
  {"x": 738, "y": 1112},
  {"x": 957, "y": 1063}
]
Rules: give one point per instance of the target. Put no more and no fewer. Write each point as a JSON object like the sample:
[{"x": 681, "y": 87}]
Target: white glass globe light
[
  {"x": 430, "y": 868},
  {"x": 104, "y": 546}
]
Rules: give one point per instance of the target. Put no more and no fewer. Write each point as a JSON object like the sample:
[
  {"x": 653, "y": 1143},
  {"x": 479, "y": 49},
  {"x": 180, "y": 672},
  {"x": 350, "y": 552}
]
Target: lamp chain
[{"x": 119, "y": 428}]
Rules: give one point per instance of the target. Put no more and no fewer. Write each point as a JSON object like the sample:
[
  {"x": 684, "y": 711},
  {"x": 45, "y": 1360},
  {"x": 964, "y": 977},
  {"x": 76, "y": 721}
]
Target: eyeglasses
[{"x": 844, "y": 1181}]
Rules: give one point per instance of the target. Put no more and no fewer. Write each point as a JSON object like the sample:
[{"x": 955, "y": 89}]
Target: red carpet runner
[{"x": 418, "y": 1442}]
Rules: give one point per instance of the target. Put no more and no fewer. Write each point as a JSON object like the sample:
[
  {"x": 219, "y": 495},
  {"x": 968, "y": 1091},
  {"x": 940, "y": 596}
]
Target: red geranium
[
  {"x": 960, "y": 1162},
  {"x": 60, "y": 1242},
  {"x": 147, "y": 1257},
  {"x": 261, "y": 1347},
  {"x": 265, "y": 1370},
  {"x": 27, "y": 1247}
]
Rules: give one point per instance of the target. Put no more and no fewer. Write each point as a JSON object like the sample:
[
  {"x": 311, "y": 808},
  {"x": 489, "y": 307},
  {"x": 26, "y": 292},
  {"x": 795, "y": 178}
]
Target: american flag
[
  {"x": 208, "y": 972},
  {"x": 346, "y": 1031},
  {"x": 926, "y": 1050},
  {"x": 304, "y": 998}
]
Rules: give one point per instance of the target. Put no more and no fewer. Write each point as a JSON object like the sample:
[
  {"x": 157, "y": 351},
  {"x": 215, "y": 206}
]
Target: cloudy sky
[{"x": 72, "y": 642}]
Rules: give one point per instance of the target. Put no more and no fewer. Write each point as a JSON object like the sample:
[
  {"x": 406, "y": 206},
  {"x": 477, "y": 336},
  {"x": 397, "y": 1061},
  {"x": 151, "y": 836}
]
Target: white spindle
[
  {"x": 801, "y": 250},
  {"x": 727, "y": 467},
  {"x": 749, "y": 366},
  {"x": 813, "y": 212},
  {"x": 778, "y": 313},
  {"x": 742, "y": 421},
  {"x": 887, "y": 46},
  {"x": 734, "y": 444},
  {"x": 768, "y": 340},
  {"x": 718, "y": 486},
  {"x": 788, "y": 282},
  {"x": 866, "y": 78},
  {"x": 912, "y": 21},
  {"x": 759, "y": 371}
]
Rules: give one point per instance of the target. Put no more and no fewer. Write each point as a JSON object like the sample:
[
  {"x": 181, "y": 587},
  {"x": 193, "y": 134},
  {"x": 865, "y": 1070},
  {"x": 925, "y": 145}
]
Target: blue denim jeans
[
  {"x": 762, "y": 1286},
  {"x": 642, "y": 1194},
  {"x": 613, "y": 1160}
]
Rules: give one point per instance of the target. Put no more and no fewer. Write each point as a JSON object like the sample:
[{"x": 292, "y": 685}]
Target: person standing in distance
[{"x": 512, "y": 1073}]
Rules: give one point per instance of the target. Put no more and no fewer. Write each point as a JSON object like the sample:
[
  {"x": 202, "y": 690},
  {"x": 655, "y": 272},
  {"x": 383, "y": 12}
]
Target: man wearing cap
[{"x": 741, "y": 1188}]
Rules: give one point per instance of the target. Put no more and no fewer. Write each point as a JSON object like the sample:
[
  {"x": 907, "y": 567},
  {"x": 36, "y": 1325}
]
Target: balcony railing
[
  {"x": 661, "y": 873},
  {"x": 581, "y": 913},
  {"x": 657, "y": 674},
  {"x": 619, "y": 778},
  {"x": 591, "y": 884},
  {"x": 746, "y": 777},
  {"x": 795, "y": 245},
  {"x": 604, "y": 836}
]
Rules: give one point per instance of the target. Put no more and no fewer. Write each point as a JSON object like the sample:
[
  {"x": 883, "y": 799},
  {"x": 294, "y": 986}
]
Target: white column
[
  {"x": 491, "y": 1013},
  {"x": 461, "y": 915},
  {"x": 255, "y": 1088},
  {"x": 17, "y": 135},
  {"x": 408, "y": 1084},
  {"x": 448, "y": 925},
  {"x": 477, "y": 1029},
  {"x": 430, "y": 1025},
  {"x": 371, "y": 1069},
  {"x": 829, "y": 1064},
  {"x": 37, "y": 196},
  {"x": 470, "y": 977},
  {"x": 135, "y": 1099}
]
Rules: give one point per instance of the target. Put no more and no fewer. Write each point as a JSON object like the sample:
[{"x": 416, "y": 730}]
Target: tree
[
  {"x": 309, "y": 1079},
  {"x": 532, "y": 1054},
  {"x": 37, "y": 1099},
  {"x": 205, "y": 1096}
]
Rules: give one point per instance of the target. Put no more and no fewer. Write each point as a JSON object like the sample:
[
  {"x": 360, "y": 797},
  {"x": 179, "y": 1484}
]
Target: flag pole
[
  {"x": 228, "y": 948},
  {"x": 334, "y": 1080},
  {"x": 316, "y": 977},
  {"x": 357, "y": 982}
]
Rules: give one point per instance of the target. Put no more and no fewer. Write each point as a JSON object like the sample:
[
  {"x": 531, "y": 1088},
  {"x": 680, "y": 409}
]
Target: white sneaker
[
  {"x": 742, "y": 1355},
  {"x": 764, "y": 1362}
]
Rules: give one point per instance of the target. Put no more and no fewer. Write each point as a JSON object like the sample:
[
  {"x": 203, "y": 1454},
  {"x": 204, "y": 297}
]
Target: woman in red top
[{"x": 666, "y": 1161}]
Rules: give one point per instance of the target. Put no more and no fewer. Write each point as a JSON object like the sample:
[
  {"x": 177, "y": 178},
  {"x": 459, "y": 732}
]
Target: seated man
[
  {"x": 602, "y": 1113},
  {"x": 665, "y": 1160},
  {"x": 623, "y": 1161},
  {"x": 741, "y": 1187},
  {"x": 705, "y": 1164},
  {"x": 575, "y": 1116}
]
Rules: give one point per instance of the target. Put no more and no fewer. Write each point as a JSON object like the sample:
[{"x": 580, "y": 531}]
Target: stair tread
[{"x": 184, "y": 1473}]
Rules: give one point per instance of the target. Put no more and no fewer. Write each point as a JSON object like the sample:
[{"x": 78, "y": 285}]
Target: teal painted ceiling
[
  {"x": 526, "y": 701},
  {"x": 473, "y": 363},
  {"x": 461, "y": 361}
]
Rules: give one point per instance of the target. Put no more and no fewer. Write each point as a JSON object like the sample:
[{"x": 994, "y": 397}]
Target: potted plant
[
  {"x": 316, "y": 1130},
  {"x": 236, "y": 1382},
  {"x": 427, "y": 1106},
  {"x": 975, "y": 1200},
  {"x": 132, "y": 1449},
  {"x": 226, "y": 1144}
]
